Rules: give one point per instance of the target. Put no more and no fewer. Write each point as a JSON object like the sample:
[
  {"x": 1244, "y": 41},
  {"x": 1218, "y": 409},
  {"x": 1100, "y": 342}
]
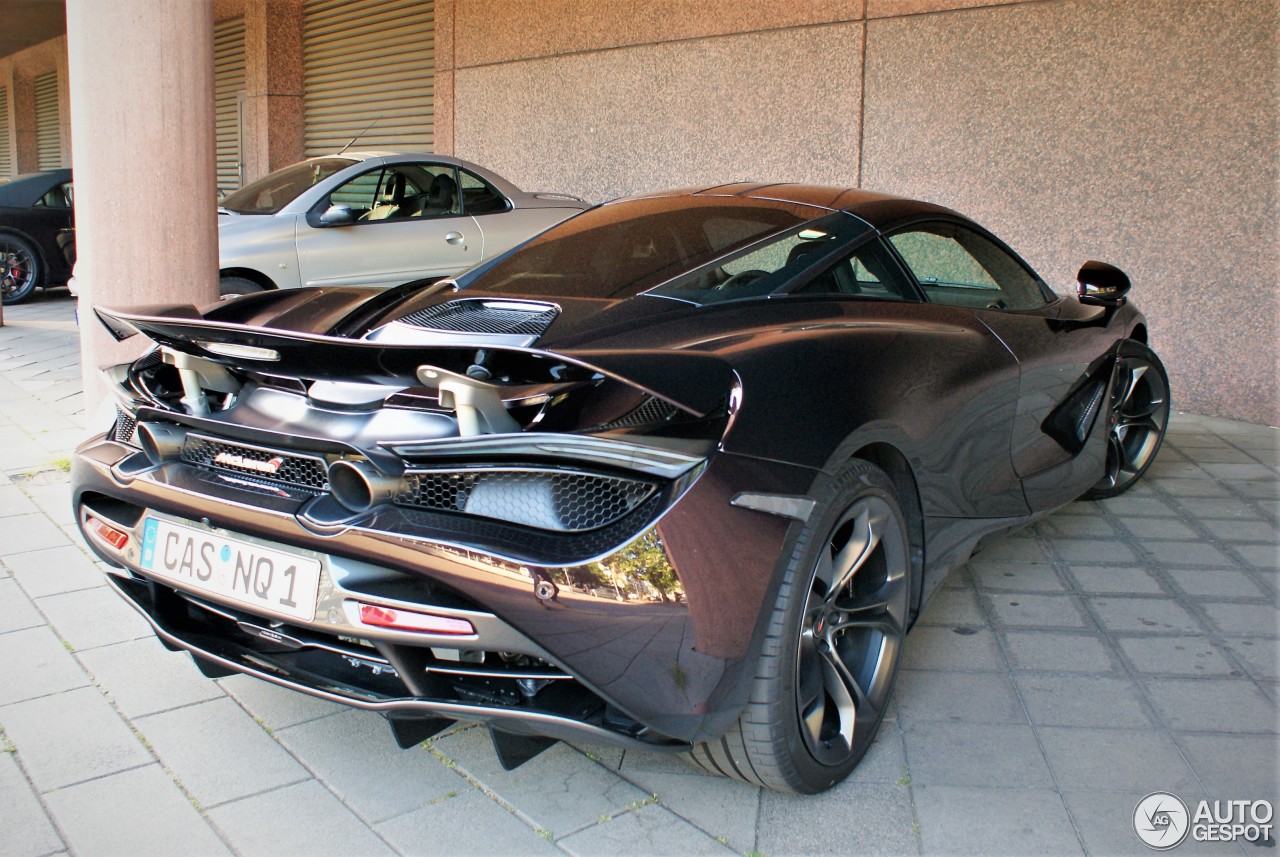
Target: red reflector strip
[
  {"x": 408, "y": 620},
  {"x": 109, "y": 534}
]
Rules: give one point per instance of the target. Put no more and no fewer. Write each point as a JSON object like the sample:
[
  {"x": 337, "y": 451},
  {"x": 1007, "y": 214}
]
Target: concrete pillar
[
  {"x": 273, "y": 130},
  {"x": 64, "y": 99},
  {"x": 25, "y": 153},
  {"x": 141, "y": 84},
  {"x": 446, "y": 16},
  {"x": 6, "y": 83}
]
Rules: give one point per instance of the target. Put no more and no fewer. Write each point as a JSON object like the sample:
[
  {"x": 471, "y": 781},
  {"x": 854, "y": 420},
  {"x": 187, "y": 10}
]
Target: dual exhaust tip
[
  {"x": 357, "y": 485},
  {"x": 360, "y": 486}
]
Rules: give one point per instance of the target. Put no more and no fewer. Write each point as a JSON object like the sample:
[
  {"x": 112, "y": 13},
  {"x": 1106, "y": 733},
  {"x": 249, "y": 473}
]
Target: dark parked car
[
  {"x": 678, "y": 473},
  {"x": 34, "y": 209}
]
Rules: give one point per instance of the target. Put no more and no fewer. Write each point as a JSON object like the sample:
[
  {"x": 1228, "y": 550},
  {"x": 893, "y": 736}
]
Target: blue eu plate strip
[{"x": 149, "y": 542}]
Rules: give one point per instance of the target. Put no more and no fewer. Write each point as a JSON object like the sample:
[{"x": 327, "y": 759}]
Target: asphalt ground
[{"x": 1112, "y": 650}]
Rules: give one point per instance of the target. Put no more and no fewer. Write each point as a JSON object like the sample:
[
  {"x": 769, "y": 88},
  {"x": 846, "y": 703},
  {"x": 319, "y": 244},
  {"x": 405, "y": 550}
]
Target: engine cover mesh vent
[
  {"x": 546, "y": 499},
  {"x": 480, "y": 316},
  {"x": 652, "y": 411}
]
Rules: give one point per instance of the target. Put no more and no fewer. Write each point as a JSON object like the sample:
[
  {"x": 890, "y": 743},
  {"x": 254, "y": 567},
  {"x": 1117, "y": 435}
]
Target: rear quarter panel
[
  {"x": 506, "y": 229},
  {"x": 822, "y": 378}
]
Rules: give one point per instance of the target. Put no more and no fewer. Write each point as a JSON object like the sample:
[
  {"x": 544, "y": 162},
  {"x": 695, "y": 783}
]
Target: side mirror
[
  {"x": 1100, "y": 284},
  {"x": 338, "y": 214}
]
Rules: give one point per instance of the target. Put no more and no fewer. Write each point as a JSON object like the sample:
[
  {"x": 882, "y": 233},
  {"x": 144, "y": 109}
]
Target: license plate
[{"x": 247, "y": 573}]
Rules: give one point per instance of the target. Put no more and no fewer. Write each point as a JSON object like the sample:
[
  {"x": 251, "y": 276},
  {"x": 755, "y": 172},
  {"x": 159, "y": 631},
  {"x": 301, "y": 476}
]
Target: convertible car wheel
[
  {"x": 835, "y": 640},
  {"x": 1138, "y": 415},
  {"x": 19, "y": 269},
  {"x": 232, "y": 286}
]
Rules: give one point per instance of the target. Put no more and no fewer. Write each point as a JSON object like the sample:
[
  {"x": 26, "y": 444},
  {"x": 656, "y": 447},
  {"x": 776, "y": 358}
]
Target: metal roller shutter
[
  {"x": 48, "y": 140},
  {"x": 228, "y": 84},
  {"x": 6, "y": 158},
  {"x": 368, "y": 63}
]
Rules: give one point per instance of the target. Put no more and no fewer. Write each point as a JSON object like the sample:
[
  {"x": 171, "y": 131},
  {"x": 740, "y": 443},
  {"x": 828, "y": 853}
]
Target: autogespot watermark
[{"x": 1163, "y": 821}]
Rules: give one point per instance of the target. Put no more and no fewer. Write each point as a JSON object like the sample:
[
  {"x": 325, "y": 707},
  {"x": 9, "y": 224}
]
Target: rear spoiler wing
[{"x": 694, "y": 381}]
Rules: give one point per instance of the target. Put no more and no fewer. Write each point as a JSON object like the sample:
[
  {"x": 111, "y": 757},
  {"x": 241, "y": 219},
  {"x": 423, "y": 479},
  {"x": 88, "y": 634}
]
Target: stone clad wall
[{"x": 1140, "y": 132}]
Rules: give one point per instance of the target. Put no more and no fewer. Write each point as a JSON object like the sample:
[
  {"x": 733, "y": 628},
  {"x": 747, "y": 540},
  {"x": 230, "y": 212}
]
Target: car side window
[
  {"x": 429, "y": 190},
  {"x": 768, "y": 265},
  {"x": 58, "y": 197},
  {"x": 958, "y": 267},
  {"x": 480, "y": 197},
  {"x": 360, "y": 193},
  {"x": 400, "y": 192},
  {"x": 868, "y": 272}
]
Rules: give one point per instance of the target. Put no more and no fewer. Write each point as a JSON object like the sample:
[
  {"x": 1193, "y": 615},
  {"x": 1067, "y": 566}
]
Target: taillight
[
  {"x": 411, "y": 620},
  {"x": 109, "y": 534}
]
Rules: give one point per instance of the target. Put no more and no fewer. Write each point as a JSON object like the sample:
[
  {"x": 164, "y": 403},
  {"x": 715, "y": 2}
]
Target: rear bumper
[{"x": 657, "y": 671}]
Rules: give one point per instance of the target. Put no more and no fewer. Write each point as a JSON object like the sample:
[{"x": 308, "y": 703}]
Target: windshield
[
  {"x": 273, "y": 192},
  {"x": 622, "y": 249}
]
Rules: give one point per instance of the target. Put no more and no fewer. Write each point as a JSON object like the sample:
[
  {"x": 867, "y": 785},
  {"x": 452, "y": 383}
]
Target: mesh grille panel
[
  {"x": 146, "y": 361},
  {"x": 125, "y": 425},
  {"x": 549, "y": 500},
  {"x": 296, "y": 470},
  {"x": 651, "y": 412},
  {"x": 479, "y": 317}
]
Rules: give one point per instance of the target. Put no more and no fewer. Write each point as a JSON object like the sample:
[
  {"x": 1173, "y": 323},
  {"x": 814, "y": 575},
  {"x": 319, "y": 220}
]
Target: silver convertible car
[{"x": 374, "y": 219}]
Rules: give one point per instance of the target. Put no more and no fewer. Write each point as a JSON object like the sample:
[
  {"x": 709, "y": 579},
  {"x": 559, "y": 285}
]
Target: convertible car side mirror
[
  {"x": 338, "y": 214},
  {"x": 1101, "y": 284}
]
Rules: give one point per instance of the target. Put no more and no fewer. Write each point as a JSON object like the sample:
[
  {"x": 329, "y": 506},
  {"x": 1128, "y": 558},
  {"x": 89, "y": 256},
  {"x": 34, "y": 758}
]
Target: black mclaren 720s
[{"x": 678, "y": 473}]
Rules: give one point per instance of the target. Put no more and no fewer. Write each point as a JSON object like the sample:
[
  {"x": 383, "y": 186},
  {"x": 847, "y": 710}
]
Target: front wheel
[
  {"x": 835, "y": 639},
  {"x": 1137, "y": 417},
  {"x": 19, "y": 269}
]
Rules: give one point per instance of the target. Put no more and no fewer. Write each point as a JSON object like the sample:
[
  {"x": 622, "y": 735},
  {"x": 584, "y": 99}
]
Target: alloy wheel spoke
[
  {"x": 1115, "y": 460},
  {"x": 868, "y": 528},
  {"x": 871, "y": 603},
  {"x": 824, "y": 573},
  {"x": 1133, "y": 375},
  {"x": 871, "y": 623},
  {"x": 840, "y": 682},
  {"x": 1146, "y": 421},
  {"x": 810, "y": 687},
  {"x": 1134, "y": 411}
]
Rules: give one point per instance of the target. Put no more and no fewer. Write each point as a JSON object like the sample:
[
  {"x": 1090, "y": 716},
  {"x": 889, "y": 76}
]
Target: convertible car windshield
[
  {"x": 273, "y": 192},
  {"x": 622, "y": 249}
]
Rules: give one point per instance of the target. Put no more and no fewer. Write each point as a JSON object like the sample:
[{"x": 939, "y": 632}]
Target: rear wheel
[
  {"x": 20, "y": 269},
  {"x": 231, "y": 286},
  {"x": 835, "y": 639},
  {"x": 1136, "y": 419}
]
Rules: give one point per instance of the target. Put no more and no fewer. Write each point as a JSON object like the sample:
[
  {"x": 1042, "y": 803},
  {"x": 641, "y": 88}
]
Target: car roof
[
  {"x": 23, "y": 191},
  {"x": 881, "y": 210},
  {"x": 504, "y": 185}
]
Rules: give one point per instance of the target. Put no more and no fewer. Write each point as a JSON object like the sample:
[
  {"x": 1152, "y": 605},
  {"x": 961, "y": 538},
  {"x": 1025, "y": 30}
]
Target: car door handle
[{"x": 454, "y": 237}]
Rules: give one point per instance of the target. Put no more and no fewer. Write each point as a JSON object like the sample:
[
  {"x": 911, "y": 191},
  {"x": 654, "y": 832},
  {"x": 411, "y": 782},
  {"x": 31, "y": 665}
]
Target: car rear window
[{"x": 622, "y": 249}]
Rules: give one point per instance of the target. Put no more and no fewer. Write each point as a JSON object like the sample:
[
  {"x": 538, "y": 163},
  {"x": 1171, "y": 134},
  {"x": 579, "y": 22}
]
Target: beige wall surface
[
  {"x": 1140, "y": 132},
  {"x": 668, "y": 115}
]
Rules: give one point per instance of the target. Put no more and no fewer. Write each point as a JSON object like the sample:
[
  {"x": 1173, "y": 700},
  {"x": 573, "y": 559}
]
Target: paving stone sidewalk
[{"x": 1112, "y": 650}]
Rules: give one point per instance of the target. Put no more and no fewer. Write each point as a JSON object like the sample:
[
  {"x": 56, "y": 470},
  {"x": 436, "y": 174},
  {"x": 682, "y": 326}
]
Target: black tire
[
  {"x": 831, "y": 653},
  {"x": 1137, "y": 417},
  {"x": 230, "y": 286},
  {"x": 21, "y": 269}
]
